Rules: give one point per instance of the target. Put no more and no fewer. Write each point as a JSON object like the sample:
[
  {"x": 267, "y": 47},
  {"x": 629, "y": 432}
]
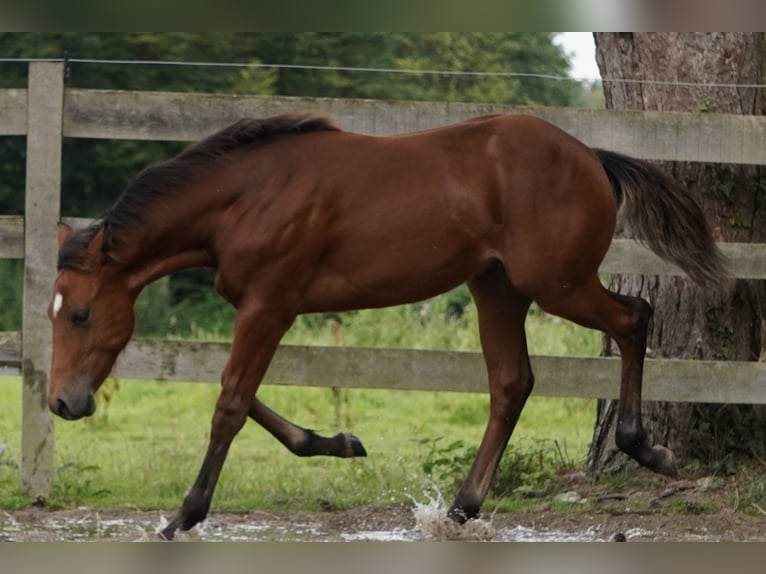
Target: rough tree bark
[{"x": 689, "y": 322}]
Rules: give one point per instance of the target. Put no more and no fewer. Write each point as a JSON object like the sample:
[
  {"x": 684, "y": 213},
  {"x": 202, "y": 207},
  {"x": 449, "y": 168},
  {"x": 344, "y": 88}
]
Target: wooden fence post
[{"x": 42, "y": 210}]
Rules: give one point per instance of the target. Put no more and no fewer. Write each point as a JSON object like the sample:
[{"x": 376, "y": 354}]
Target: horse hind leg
[
  {"x": 625, "y": 319},
  {"x": 301, "y": 441},
  {"x": 502, "y": 312}
]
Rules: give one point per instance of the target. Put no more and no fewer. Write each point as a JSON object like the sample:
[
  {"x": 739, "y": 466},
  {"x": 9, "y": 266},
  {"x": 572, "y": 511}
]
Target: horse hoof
[
  {"x": 619, "y": 537},
  {"x": 354, "y": 446},
  {"x": 457, "y": 515},
  {"x": 664, "y": 461},
  {"x": 165, "y": 535}
]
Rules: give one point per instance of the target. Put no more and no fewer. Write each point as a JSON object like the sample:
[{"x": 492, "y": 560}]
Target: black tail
[{"x": 665, "y": 217}]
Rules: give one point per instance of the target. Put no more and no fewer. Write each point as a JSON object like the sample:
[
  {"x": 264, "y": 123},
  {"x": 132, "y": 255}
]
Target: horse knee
[
  {"x": 527, "y": 382},
  {"x": 229, "y": 418},
  {"x": 509, "y": 396}
]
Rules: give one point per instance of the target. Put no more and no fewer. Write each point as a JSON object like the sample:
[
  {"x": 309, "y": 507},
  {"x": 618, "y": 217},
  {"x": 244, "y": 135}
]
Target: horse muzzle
[{"x": 71, "y": 408}]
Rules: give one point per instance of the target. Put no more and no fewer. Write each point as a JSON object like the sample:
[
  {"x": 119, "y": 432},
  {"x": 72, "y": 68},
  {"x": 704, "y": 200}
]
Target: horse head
[{"x": 91, "y": 311}]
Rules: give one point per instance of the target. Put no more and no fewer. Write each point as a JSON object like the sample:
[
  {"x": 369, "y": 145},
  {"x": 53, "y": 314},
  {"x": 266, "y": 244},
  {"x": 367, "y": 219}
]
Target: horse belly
[{"x": 400, "y": 266}]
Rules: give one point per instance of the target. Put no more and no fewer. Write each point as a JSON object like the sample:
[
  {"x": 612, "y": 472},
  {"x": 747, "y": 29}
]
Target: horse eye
[{"x": 80, "y": 317}]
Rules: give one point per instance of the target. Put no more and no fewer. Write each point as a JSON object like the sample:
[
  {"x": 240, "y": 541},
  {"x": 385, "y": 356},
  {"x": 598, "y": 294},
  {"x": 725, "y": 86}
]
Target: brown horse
[{"x": 298, "y": 216}]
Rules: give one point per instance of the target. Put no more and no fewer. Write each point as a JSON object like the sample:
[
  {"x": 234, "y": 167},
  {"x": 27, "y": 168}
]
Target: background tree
[{"x": 688, "y": 321}]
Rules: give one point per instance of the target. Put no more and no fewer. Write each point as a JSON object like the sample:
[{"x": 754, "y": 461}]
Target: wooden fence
[{"x": 47, "y": 111}]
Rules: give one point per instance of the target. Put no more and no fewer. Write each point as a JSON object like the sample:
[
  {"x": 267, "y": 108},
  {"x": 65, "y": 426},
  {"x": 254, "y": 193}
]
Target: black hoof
[
  {"x": 464, "y": 508},
  {"x": 167, "y": 535},
  {"x": 458, "y": 515},
  {"x": 355, "y": 446}
]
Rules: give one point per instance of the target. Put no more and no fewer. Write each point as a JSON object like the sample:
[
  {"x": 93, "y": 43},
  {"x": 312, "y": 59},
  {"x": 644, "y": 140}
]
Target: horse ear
[
  {"x": 101, "y": 247},
  {"x": 97, "y": 248},
  {"x": 64, "y": 231}
]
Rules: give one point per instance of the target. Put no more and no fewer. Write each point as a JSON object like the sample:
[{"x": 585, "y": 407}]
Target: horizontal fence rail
[
  {"x": 177, "y": 116},
  {"x": 427, "y": 370},
  {"x": 625, "y": 256},
  {"x": 47, "y": 112}
]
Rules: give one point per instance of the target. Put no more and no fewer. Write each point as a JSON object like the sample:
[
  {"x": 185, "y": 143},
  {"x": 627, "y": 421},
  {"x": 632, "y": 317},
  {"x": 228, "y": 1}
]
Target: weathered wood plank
[
  {"x": 11, "y": 237},
  {"x": 13, "y": 112},
  {"x": 187, "y": 117},
  {"x": 12, "y": 234},
  {"x": 409, "y": 369},
  {"x": 42, "y": 203},
  {"x": 10, "y": 353},
  {"x": 747, "y": 260}
]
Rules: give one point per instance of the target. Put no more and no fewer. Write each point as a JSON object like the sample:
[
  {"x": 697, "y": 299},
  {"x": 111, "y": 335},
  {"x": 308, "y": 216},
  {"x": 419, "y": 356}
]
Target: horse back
[{"x": 361, "y": 216}]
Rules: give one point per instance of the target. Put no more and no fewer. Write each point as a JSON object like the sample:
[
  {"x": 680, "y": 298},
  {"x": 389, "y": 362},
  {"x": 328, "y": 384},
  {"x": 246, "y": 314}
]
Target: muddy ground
[{"x": 700, "y": 510}]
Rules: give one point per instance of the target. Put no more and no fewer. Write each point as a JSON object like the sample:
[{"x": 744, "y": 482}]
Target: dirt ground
[{"x": 657, "y": 510}]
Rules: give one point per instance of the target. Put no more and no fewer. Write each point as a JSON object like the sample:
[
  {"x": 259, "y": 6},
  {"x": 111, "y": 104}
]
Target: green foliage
[
  {"x": 13, "y": 158},
  {"x": 750, "y": 495},
  {"x": 531, "y": 468},
  {"x": 11, "y": 294},
  {"x": 446, "y": 465},
  {"x": 455, "y": 51},
  {"x": 151, "y": 307},
  {"x": 692, "y": 507},
  {"x": 76, "y": 483},
  {"x": 528, "y": 468},
  {"x": 705, "y": 106},
  {"x": 431, "y": 324},
  {"x": 204, "y": 316},
  {"x": 591, "y": 96},
  {"x": 722, "y": 334}
]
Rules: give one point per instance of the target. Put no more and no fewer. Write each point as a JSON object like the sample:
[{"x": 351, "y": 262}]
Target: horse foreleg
[
  {"x": 260, "y": 329},
  {"x": 625, "y": 319},
  {"x": 502, "y": 312},
  {"x": 301, "y": 441}
]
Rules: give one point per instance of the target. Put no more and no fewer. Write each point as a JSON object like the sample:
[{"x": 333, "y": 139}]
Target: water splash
[{"x": 432, "y": 521}]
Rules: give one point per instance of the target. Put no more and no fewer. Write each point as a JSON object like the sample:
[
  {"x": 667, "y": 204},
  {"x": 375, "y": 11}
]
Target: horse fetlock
[
  {"x": 630, "y": 439},
  {"x": 193, "y": 511}
]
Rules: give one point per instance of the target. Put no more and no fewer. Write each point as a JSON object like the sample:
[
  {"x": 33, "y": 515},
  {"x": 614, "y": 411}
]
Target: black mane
[{"x": 160, "y": 179}]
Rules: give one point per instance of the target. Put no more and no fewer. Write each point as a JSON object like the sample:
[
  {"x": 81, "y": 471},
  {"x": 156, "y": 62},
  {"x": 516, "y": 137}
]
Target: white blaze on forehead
[{"x": 58, "y": 301}]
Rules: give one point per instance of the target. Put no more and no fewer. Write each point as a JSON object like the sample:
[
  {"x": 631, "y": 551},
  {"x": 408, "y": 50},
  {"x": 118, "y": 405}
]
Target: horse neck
[{"x": 170, "y": 241}]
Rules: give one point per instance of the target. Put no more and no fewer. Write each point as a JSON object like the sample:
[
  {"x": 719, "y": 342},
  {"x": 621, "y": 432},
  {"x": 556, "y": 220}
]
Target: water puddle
[{"x": 431, "y": 524}]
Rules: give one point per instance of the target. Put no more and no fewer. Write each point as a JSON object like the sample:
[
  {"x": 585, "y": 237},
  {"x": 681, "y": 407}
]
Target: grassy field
[{"x": 143, "y": 447}]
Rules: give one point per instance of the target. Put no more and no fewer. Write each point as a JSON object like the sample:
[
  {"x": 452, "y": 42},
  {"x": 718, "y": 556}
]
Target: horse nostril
[{"x": 62, "y": 409}]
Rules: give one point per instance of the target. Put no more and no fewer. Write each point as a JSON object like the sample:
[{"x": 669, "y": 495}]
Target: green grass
[{"x": 143, "y": 447}]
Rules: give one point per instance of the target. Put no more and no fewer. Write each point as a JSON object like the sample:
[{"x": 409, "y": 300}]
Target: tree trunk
[{"x": 689, "y": 322}]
